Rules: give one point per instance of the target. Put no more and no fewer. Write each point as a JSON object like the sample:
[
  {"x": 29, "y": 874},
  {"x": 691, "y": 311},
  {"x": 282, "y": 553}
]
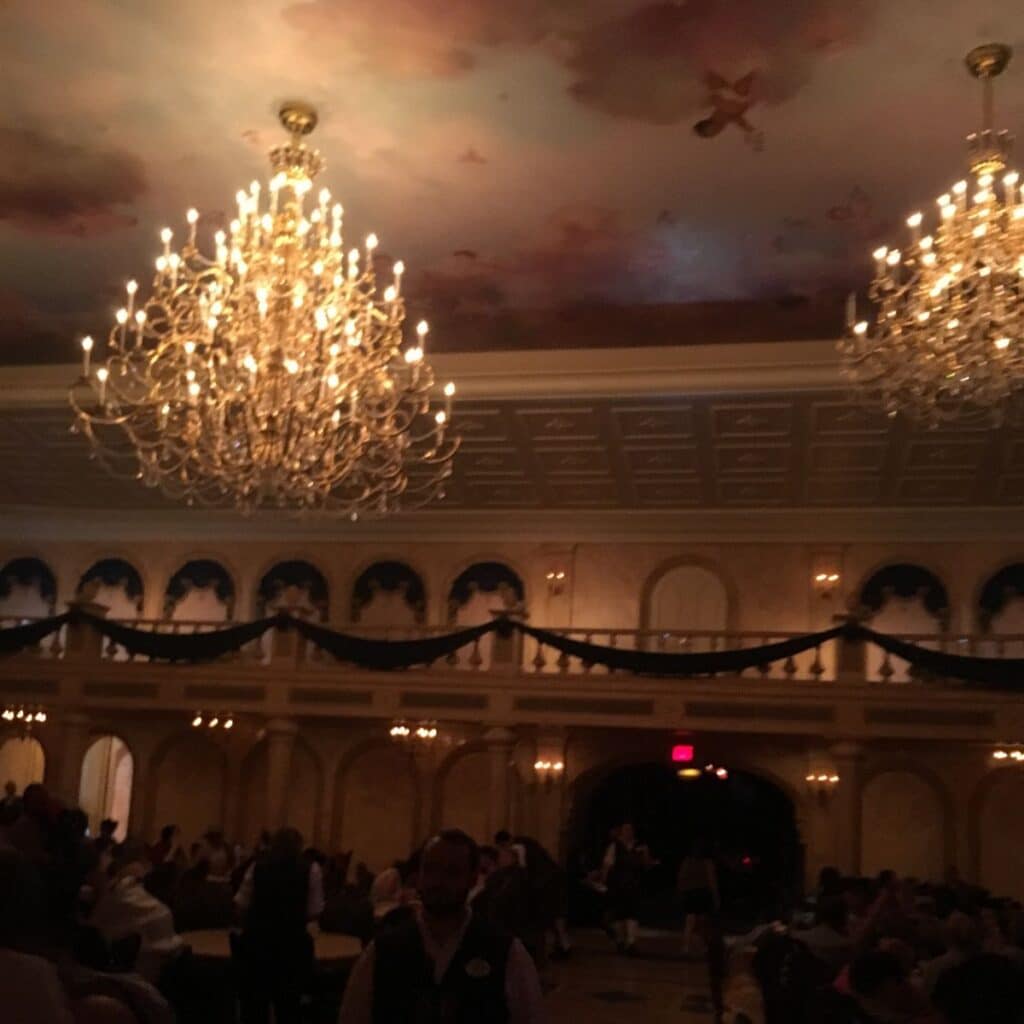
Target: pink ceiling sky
[{"x": 534, "y": 163}]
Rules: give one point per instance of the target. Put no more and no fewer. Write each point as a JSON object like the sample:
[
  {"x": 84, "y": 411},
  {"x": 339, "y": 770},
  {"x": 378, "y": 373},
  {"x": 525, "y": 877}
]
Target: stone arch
[
  {"x": 995, "y": 860},
  {"x": 189, "y": 783},
  {"x": 28, "y": 588},
  {"x": 377, "y": 799},
  {"x": 299, "y": 573},
  {"x": 22, "y": 759},
  {"x": 995, "y": 592},
  {"x": 908, "y": 580},
  {"x": 515, "y": 579},
  {"x": 470, "y": 810},
  {"x": 106, "y": 781},
  {"x": 392, "y": 576},
  {"x": 206, "y": 574},
  {"x": 714, "y": 573},
  {"x": 108, "y": 576},
  {"x": 899, "y": 830}
]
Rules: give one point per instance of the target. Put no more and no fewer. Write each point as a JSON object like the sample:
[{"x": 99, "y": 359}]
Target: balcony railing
[{"x": 527, "y": 656}]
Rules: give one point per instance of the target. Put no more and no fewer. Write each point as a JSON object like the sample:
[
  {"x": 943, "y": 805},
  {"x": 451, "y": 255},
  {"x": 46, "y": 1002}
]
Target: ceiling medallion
[
  {"x": 274, "y": 372},
  {"x": 948, "y": 330}
]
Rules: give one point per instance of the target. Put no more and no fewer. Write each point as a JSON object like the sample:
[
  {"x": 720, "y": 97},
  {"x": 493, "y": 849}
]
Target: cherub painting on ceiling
[{"x": 729, "y": 102}]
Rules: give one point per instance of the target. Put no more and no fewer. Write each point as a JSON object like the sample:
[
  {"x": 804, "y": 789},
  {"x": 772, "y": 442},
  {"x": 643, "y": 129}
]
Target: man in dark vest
[{"x": 444, "y": 966}]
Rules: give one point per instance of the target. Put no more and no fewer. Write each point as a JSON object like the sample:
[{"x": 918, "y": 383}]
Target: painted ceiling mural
[{"x": 553, "y": 173}]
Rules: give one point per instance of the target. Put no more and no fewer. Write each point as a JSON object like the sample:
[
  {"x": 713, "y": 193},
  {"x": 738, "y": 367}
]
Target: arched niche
[
  {"x": 202, "y": 590},
  {"x": 905, "y": 824},
  {"x": 377, "y": 791},
  {"x": 482, "y": 588},
  {"x": 465, "y": 785},
  {"x": 293, "y": 584},
  {"x": 22, "y": 761},
  {"x": 388, "y": 593},
  {"x": 305, "y": 786},
  {"x": 105, "y": 789},
  {"x": 190, "y": 774},
  {"x": 998, "y": 832},
  {"x": 686, "y": 595},
  {"x": 1000, "y": 603},
  {"x": 28, "y": 589},
  {"x": 115, "y": 584},
  {"x": 902, "y": 599}
]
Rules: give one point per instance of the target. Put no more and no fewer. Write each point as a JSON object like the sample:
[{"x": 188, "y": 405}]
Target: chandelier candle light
[
  {"x": 274, "y": 372},
  {"x": 948, "y": 330}
]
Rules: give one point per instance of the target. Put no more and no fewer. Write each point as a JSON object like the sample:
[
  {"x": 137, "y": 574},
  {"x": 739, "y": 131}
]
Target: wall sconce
[
  {"x": 213, "y": 721},
  {"x": 413, "y": 732},
  {"x": 547, "y": 771},
  {"x": 556, "y": 581},
  {"x": 822, "y": 783},
  {"x": 825, "y": 583},
  {"x": 1014, "y": 754},
  {"x": 25, "y": 717}
]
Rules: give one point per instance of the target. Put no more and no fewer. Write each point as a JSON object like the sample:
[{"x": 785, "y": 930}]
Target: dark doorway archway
[{"x": 748, "y": 822}]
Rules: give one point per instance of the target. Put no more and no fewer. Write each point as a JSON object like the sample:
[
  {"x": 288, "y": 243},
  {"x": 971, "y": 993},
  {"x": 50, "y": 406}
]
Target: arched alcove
[
  {"x": 28, "y": 589},
  {"x": 464, "y": 786},
  {"x": 998, "y": 832},
  {"x": 376, "y": 805},
  {"x": 105, "y": 789},
  {"x": 202, "y": 590},
  {"x": 689, "y": 596},
  {"x": 902, "y": 599},
  {"x": 999, "y": 610},
  {"x": 115, "y": 584},
  {"x": 22, "y": 761},
  {"x": 905, "y": 824},
  {"x": 482, "y": 588},
  {"x": 190, "y": 783},
  {"x": 294, "y": 583},
  {"x": 747, "y": 820},
  {"x": 388, "y": 593}
]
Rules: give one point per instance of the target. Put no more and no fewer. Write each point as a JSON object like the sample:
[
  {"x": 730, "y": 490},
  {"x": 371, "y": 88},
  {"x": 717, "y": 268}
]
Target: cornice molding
[
  {"x": 770, "y": 526},
  {"x": 548, "y": 373}
]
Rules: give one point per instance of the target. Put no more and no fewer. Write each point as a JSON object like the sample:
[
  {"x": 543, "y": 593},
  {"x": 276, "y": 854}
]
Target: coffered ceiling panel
[{"x": 710, "y": 450}]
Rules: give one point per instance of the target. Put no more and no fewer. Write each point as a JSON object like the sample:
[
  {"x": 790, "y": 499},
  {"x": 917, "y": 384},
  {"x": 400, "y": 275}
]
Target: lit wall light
[
  {"x": 556, "y": 581},
  {"x": 1014, "y": 753},
  {"x": 689, "y": 773},
  {"x": 822, "y": 783},
  {"x": 547, "y": 771},
  {"x": 825, "y": 583}
]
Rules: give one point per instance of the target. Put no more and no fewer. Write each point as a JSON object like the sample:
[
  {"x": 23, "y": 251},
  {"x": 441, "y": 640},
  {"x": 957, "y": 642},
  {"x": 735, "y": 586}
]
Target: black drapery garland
[
  {"x": 996, "y": 673},
  {"x": 658, "y": 663}
]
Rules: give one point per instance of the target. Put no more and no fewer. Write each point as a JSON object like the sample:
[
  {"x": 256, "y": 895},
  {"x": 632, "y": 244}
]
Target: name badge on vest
[{"x": 478, "y": 968}]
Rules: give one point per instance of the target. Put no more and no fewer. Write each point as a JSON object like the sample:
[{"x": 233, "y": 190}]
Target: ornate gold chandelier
[
  {"x": 948, "y": 332},
  {"x": 274, "y": 373}
]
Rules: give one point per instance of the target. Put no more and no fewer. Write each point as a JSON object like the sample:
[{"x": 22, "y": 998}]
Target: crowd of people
[
  {"x": 95, "y": 930},
  {"x": 889, "y": 950}
]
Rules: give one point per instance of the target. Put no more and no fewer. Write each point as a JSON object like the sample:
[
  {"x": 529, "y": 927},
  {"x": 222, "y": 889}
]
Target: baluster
[
  {"x": 764, "y": 669},
  {"x": 613, "y": 639},
  {"x": 886, "y": 671},
  {"x": 538, "y": 659},
  {"x": 476, "y": 659},
  {"x": 789, "y": 668},
  {"x": 588, "y": 665},
  {"x": 563, "y": 663},
  {"x": 817, "y": 666}
]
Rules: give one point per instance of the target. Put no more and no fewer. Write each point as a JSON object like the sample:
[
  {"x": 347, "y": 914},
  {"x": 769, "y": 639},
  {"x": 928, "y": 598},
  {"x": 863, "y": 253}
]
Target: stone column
[
  {"x": 281, "y": 733},
  {"x": 500, "y": 742},
  {"x": 73, "y": 744},
  {"x": 83, "y": 642},
  {"x": 846, "y": 806},
  {"x": 851, "y": 656}
]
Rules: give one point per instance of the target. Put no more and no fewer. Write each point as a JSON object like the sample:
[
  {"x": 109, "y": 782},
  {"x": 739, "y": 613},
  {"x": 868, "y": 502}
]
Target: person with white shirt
[{"x": 445, "y": 963}]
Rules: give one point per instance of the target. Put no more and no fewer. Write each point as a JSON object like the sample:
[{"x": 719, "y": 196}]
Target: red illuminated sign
[{"x": 682, "y": 753}]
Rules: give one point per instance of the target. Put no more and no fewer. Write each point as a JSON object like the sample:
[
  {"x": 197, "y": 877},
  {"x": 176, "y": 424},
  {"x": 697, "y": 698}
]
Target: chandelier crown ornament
[
  {"x": 948, "y": 310},
  {"x": 276, "y": 370}
]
